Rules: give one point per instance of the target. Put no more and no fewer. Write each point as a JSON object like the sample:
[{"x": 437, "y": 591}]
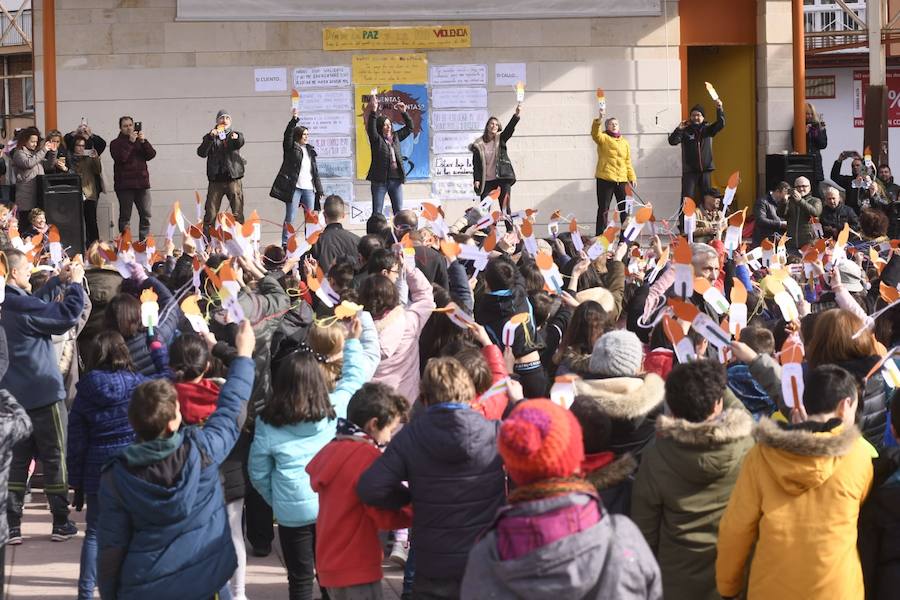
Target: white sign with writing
[
  {"x": 458, "y": 120},
  {"x": 320, "y": 100},
  {"x": 453, "y": 142},
  {"x": 337, "y": 168},
  {"x": 452, "y": 189},
  {"x": 270, "y": 80},
  {"x": 360, "y": 212},
  {"x": 509, "y": 74},
  {"x": 444, "y": 165},
  {"x": 332, "y": 146},
  {"x": 458, "y": 97},
  {"x": 321, "y": 77},
  {"x": 458, "y": 75},
  {"x": 332, "y": 122},
  {"x": 344, "y": 189}
]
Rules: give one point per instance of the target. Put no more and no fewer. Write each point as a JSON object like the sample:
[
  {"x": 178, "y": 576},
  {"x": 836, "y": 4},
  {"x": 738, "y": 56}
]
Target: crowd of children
[{"x": 566, "y": 417}]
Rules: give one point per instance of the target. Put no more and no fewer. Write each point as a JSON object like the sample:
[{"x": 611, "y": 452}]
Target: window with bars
[{"x": 819, "y": 86}]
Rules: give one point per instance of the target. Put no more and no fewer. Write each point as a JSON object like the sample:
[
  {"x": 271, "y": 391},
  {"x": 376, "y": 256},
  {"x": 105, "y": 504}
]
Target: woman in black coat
[
  {"x": 492, "y": 167},
  {"x": 298, "y": 178},
  {"x": 386, "y": 171}
]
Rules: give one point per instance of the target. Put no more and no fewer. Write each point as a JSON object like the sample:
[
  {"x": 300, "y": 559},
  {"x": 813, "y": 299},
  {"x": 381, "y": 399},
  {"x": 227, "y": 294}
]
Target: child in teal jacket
[{"x": 297, "y": 422}]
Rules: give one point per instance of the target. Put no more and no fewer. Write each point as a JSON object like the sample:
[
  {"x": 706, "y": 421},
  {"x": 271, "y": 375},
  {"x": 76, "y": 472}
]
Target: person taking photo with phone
[{"x": 130, "y": 152}]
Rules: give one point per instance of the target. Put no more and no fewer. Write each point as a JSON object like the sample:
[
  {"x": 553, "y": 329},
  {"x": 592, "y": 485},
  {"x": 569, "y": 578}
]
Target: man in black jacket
[
  {"x": 856, "y": 185},
  {"x": 835, "y": 213},
  {"x": 766, "y": 220},
  {"x": 224, "y": 168},
  {"x": 334, "y": 241},
  {"x": 695, "y": 136}
]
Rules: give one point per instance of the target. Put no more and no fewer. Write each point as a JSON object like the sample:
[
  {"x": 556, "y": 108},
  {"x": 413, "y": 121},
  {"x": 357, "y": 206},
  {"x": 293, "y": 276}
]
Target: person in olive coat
[{"x": 297, "y": 181}]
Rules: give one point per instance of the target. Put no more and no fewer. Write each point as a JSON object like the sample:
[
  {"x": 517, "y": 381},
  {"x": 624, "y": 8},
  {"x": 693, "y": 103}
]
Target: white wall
[{"x": 838, "y": 116}]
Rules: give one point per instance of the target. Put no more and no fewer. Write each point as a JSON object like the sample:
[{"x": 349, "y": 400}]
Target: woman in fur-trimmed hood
[
  {"x": 686, "y": 477},
  {"x": 616, "y": 387},
  {"x": 797, "y": 499}
]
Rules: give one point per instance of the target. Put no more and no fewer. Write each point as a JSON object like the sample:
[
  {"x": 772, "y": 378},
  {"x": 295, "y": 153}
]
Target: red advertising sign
[{"x": 861, "y": 86}]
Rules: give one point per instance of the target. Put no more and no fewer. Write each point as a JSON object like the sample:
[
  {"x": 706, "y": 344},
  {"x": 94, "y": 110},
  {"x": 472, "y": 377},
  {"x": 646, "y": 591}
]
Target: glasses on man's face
[{"x": 802, "y": 187}]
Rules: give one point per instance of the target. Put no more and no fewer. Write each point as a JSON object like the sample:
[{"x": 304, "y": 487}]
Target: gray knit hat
[
  {"x": 222, "y": 113},
  {"x": 618, "y": 353}
]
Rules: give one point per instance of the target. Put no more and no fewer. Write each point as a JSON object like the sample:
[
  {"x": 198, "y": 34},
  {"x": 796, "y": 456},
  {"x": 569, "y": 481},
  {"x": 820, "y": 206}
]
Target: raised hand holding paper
[
  {"x": 791, "y": 357},
  {"x": 149, "y": 310},
  {"x": 520, "y": 92},
  {"x": 712, "y": 91},
  {"x": 737, "y": 312},
  {"x": 730, "y": 190}
]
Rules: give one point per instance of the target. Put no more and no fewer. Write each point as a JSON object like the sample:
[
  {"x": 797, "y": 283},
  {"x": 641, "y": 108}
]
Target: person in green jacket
[
  {"x": 685, "y": 479},
  {"x": 800, "y": 206}
]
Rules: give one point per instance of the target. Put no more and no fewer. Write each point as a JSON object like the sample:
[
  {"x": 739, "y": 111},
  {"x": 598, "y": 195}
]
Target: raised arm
[{"x": 287, "y": 144}]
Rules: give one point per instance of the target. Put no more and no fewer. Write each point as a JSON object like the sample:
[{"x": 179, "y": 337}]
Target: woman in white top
[{"x": 298, "y": 178}]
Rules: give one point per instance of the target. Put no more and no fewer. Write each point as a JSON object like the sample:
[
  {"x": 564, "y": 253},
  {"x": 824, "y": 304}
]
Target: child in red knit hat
[
  {"x": 555, "y": 540},
  {"x": 348, "y": 551}
]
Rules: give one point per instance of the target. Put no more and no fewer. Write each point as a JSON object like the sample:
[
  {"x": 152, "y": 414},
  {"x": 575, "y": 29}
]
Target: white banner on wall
[
  {"x": 270, "y": 80},
  {"x": 449, "y": 165},
  {"x": 509, "y": 74},
  {"x": 453, "y": 142},
  {"x": 332, "y": 146},
  {"x": 452, "y": 189},
  {"x": 344, "y": 189},
  {"x": 458, "y": 97},
  {"x": 423, "y": 10},
  {"x": 458, "y": 75},
  {"x": 321, "y": 77},
  {"x": 338, "y": 168},
  {"x": 458, "y": 120},
  {"x": 334, "y": 122},
  {"x": 320, "y": 100}
]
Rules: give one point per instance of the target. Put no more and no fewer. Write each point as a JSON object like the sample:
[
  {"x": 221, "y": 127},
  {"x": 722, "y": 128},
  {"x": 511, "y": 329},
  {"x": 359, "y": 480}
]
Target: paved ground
[{"x": 48, "y": 570}]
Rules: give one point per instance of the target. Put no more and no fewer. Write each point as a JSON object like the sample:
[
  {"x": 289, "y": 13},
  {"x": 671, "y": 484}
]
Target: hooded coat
[
  {"x": 797, "y": 498},
  {"x": 448, "y": 454},
  {"x": 614, "y": 483},
  {"x": 607, "y": 560},
  {"x": 632, "y": 404},
  {"x": 162, "y": 527},
  {"x": 680, "y": 493},
  {"x": 879, "y": 530},
  {"x": 15, "y": 425}
]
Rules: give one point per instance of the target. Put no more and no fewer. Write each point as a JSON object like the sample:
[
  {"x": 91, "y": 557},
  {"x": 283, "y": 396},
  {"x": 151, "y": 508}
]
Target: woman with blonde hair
[
  {"x": 816, "y": 141},
  {"x": 614, "y": 168}
]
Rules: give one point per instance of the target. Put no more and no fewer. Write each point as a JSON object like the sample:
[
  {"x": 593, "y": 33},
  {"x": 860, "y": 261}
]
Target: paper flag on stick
[
  {"x": 867, "y": 158},
  {"x": 191, "y": 310},
  {"x": 735, "y": 229},
  {"x": 712, "y": 91},
  {"x": 690, "y": 218},
  {"x": 520, "y": 92},
  {"x": 149, "y": 309},
  {"x": 636, "y": 224},
  {"x": 730, "y": 190},
  {"x": 684, "y": 271},
  {"x": 837, "y": 253},
  {"x": 684, "y": 349},
  {"x": 711, "y": 295},
  {"x": 816, "y": 227},
  {"x": 562, "y": 392},
  {"x": 629, "y": 202},
  {"x": 56, "y": 249},
  {"x": 661, "y": 262},
  {"x": 737, "y": 312},
  {"x": 528, "y": 238},
  {"x": 295, "y": 100},
  {"x": 577, "y": 242},
  {"x": 601, "y": 100},
  {"x": 199, "y": 206},
  {"x": 550, "y": 271},
  {"x": 791, "y": 357},
  {"x": 782, "y": 299},
  {"x": 347, "y": 310},
  {"x": 509, "y": 329}
]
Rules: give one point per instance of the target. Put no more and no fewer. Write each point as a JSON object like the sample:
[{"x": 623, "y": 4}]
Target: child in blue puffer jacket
[
  {"x": 297, "y": 422},
  {"x": 99, "y": 430}
]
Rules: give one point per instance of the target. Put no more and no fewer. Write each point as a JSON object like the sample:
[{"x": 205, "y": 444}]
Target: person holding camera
[
  {"x": 30, "y": 159},
  {"x": 695, "y": 136},
  {"x": 221, "y": 148},
  {"x": 857, "y": 185},
  {"x": 95, "y": 144},
  {"x": 816, "y": 141},
  {"x": 87, "y": 164},
  {"x": 130, "y": 152},
  {"x": 800, "y": 206}
]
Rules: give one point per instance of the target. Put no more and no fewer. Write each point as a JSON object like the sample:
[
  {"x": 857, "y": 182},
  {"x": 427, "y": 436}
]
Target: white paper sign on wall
[
  {"x": 509, "y": 74},
  {"x": 332, "y": 146},
  {"x": 453, "y": 142},
  {"x": 270, "y": 80},
  {"x": 458, "y": 120},
  {"x": 458, "y": 97},
  {"x": 458, "y": 75},
  {"x": 319, "y": 77}
]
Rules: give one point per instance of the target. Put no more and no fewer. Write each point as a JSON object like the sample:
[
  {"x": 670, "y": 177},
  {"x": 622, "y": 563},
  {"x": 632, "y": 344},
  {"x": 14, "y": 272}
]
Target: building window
[
  {"x": 28, "y": 94},
  {"x": 819, "y": 86}
]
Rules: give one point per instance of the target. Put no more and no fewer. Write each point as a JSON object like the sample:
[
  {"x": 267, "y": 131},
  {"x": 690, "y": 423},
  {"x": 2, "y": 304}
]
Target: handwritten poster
[
  {"x": 331, "y": 122},
  {"x": 459, "y": 97},
  {"x": 270, "y": 80},
  {"x": 458, "y": 75},
  {"x": 509, "y": 74},
  {"x": 320, "y": 100},
  {"x": 344, "y": 189},
  {"x": 341, "y": 168},
  {"x": 453, "y": 142},
  {"x": 321, "y": 77},
  {"x": 452, "y": 189},
  {"x": 331, "y": 146},
  {"x": 413, "y": 146},
  {"x": 371, "y": 69},
  {"x": 448, "y": 165},
  {"x": 458, "y": 120}
]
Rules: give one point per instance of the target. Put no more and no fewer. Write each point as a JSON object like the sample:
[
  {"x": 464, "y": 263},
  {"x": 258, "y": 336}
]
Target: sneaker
[
  {"x": 261, "y": 551},
  {"x": 399, "y": 553},
  {"x": 15, "y": 536},
  {"x": 63, "y": 532}
]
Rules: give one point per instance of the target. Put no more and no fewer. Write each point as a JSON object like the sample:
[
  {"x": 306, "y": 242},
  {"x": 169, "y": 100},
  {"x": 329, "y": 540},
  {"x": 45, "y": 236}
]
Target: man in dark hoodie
[
  {"x": 879, "y": 521},
  {"x": 163, "y": 525},
  {"x": 695, "y": 136}
]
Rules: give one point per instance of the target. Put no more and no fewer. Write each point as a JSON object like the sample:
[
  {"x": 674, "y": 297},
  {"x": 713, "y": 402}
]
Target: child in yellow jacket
[{"x": 798, "y": 498}]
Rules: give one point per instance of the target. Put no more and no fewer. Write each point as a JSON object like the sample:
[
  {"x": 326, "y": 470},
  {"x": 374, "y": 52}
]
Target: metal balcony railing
[{"x": 830, "y": 28}]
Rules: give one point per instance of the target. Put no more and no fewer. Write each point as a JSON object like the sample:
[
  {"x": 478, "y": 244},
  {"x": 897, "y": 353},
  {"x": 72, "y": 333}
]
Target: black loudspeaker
[
  {"x": 61, "y": 198},
  {"x": 788, "y": 167}
]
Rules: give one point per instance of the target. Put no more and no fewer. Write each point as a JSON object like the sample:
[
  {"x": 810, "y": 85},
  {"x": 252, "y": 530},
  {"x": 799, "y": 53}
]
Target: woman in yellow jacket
[
  {"x": 614, "y": 167},
  {"x": 797, "y": 498}
]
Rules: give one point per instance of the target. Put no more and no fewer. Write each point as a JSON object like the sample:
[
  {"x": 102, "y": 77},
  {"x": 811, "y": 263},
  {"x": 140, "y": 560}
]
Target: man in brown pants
[{"x": 224, "y": 168}]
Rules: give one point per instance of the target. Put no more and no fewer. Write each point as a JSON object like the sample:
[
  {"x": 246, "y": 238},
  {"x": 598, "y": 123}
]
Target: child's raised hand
[
  {"x": 355, "y": 329},
  {"x": 245, "y": 341}
]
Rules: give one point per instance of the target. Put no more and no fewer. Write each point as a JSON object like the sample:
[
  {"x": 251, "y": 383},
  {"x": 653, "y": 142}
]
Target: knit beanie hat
[
  {"x": 698, "y": 108},
  {"x": 618, "y": 353},
  {"x": 540, "y": 440},
  {"x": 222, "y": 113}
]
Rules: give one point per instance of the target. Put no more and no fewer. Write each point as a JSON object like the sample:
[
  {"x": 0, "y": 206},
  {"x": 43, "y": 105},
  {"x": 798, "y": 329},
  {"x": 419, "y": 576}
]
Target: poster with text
[
  {"x": 861, "y": 86},
  {"x": 414, "y": 146}
]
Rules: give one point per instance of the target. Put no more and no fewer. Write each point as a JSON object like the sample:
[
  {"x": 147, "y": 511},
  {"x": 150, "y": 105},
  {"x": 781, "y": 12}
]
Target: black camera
[{"x": 138, "y": 125}]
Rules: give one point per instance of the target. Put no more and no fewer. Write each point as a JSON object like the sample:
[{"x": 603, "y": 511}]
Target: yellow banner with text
[{"x": 396, "y": 38}]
